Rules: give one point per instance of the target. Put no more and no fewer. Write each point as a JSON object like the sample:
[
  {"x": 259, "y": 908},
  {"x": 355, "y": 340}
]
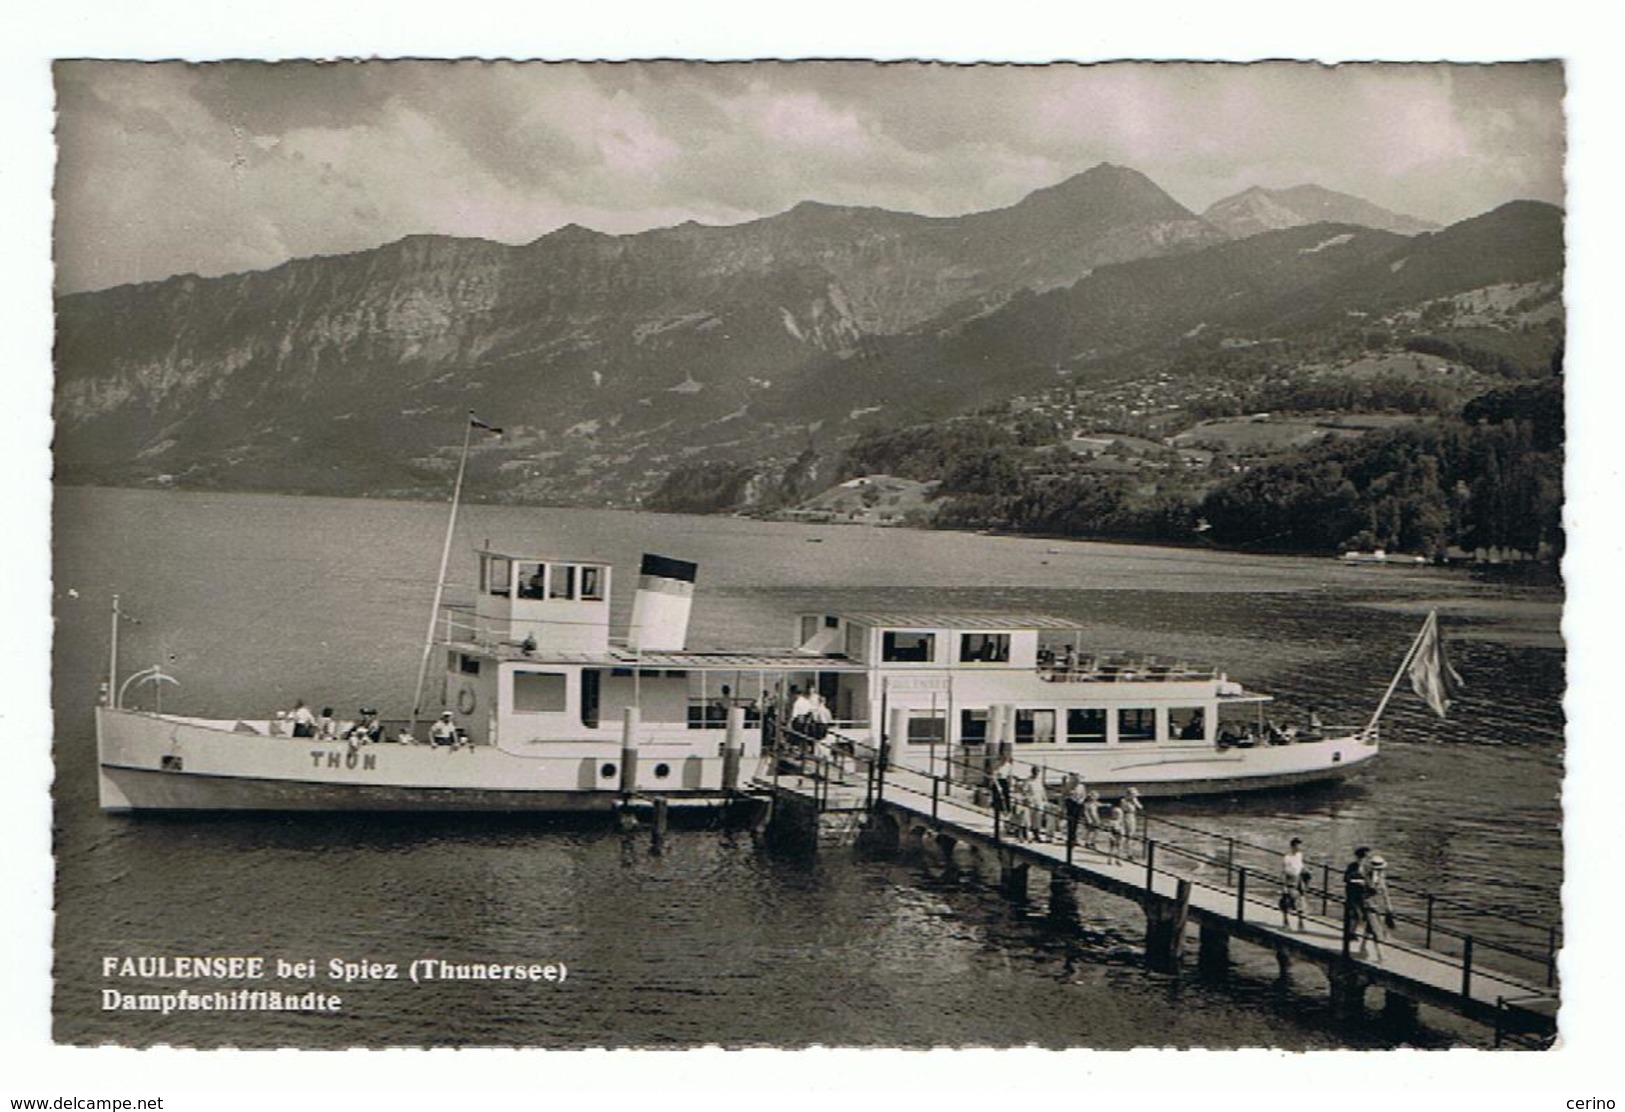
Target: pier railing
[{"x": 1457, "y": 931}]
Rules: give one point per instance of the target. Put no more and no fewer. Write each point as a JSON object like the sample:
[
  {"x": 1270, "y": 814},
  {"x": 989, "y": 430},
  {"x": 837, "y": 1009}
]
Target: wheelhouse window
[
  {"x": 539, "y": 693},
  {"x": 1086, "y": 725},
  {"x": 1035, "y": 727},
  {"x": 984, "y": 648},
  {"x": 500, "y": 576},
  {"x": 904, "y": 647},
  {"x": 468, "y": 665},
  {"x": 532, "y": 580},
  {"x": 927, "y": 727},
  {"x": 563, "y": 581},
  {"x": 973, "y": 727},
  {"x": 592, "y": 584},
  {"x": 1137, "y": 724}
]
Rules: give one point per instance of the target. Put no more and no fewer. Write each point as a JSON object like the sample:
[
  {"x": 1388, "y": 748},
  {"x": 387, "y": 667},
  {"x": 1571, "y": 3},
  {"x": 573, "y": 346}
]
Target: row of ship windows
[
  {"x": 1083, "y": 725},
  {"x": 584, "y": 582},
  {"x": 900, "y": 647}
]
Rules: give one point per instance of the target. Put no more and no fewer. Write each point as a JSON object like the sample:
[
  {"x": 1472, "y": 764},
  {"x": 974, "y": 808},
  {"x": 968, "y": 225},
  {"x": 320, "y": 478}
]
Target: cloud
[{"x": 172, "y": 167}]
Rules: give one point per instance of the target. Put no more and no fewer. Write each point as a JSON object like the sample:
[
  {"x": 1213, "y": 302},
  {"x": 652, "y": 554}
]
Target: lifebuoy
[{"x": 465, "y": 700}]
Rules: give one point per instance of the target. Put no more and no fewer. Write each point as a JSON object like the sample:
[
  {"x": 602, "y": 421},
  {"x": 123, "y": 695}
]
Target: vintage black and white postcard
[{"x": 776, "y": 554}]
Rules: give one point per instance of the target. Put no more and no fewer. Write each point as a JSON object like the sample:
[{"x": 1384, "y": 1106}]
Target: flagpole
[
  {"x": 440, "y": 580},
  {"x": 1432, "y": 620}
]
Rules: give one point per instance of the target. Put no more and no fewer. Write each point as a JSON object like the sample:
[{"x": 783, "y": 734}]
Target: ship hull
[
  {"x": 166, "y": 763},
  {"x": 1174, "y": 770}
]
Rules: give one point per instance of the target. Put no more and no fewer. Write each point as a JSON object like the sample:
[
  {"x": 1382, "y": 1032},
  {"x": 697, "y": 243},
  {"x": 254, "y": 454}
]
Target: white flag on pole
[{"x": 1432, "y": 677}]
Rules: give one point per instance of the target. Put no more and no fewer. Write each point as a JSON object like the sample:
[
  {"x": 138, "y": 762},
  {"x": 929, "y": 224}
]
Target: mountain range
[{"x": 610, "y": 360}]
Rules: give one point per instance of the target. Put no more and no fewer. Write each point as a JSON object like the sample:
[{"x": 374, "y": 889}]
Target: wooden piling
[
  {"x": 733, "y": 748},
  {"x": 1213, "y": 949},
  {"x": 657, "y": 837},
  {"x": 1165, "y": 927},
  {"x": 629, "y": 752}
]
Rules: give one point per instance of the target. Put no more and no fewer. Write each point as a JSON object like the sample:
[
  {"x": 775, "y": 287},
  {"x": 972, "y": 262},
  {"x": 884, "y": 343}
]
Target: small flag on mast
[
  {"x": 1432, "y": 677},
  {"x": 479, "y": 424}
]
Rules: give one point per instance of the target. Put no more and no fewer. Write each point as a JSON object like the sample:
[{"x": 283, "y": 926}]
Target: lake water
[{"x": 253, "y": 601}]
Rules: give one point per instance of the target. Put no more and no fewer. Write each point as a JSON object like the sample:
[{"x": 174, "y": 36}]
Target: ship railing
[
  {"x": 1455, "y": 930},
  {"x": 1118, "y": 668},
  {"x": 459, "y": 623}
]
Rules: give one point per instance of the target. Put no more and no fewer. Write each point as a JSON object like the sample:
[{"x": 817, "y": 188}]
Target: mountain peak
[
  {"x": 1110, "y": 187},
  {"x": 1257, "y": 209}
]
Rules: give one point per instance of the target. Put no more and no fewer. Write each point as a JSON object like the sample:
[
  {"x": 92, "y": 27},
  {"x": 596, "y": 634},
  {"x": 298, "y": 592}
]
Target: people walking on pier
[
  {"x": 1356, "y": 889},
  {"x": 1035, "y": 806},
  {"x": 1112, "y": 820},
  {"x": 1092, "y": 821},
  {"x": 1294, "y": 883},
  {"x": 1077, "y": 794},
  {"x": 999, "y": 783},
  {"x": 1132, "y": 810},
  {"x": 1377, "y": 911}
]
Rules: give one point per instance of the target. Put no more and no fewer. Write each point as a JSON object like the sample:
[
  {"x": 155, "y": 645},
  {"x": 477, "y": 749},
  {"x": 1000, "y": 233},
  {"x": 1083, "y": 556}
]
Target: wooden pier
[{"x": 1180, "y": 877}]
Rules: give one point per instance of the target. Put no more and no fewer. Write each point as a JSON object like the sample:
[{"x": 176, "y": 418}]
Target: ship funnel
[{"x": 660, "y": 608}]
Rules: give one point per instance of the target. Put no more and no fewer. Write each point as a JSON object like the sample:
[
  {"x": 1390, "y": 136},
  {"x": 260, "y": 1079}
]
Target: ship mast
[{"x": 440, "y": 580}]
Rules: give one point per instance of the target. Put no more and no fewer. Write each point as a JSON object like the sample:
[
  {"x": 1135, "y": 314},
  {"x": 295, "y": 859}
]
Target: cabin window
[
  {"x": 1137, "y": 724},
  {"x": 501, "y": 582},
  {"x": 984, "y": 648},
  {"x": 973, "y": 727},
  {"x": 855, "y": 635},
  {"x": 591, "y": 682},
  {"x": 903, "y": 647},
  {"x": 1086, "y": 724},
  {"x": 539, "y": 693},
  {"x": 563, "y": 583},
  {"x": 532, "y": 580},
  {"x": 468, "y": 665},
  {"x": 1187, "y": 723},
  {"x": 1035, "y": 727},
  {"x": 927, "y": 727},
  {"x": 592, "y": 584}
]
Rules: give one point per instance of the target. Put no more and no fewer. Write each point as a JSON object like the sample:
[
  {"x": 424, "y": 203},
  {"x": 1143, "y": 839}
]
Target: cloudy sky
[{"x": 168, "y": 168}]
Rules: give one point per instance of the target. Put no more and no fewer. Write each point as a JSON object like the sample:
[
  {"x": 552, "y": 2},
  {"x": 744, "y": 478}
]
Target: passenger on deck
[
  {"x": 1069, "y": 659},
  {"x": 326, "y": 728},
  {"x": 302, "y": 721},
  {"x": 444, "y": 731},
  {"x": 1194, "y": 729},
  {"x": 800, "y": 711},
  {"x": 368, "y": 728},
  {"x": 822, "y": 718},
  {"x": 1314, "y": 729}
]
